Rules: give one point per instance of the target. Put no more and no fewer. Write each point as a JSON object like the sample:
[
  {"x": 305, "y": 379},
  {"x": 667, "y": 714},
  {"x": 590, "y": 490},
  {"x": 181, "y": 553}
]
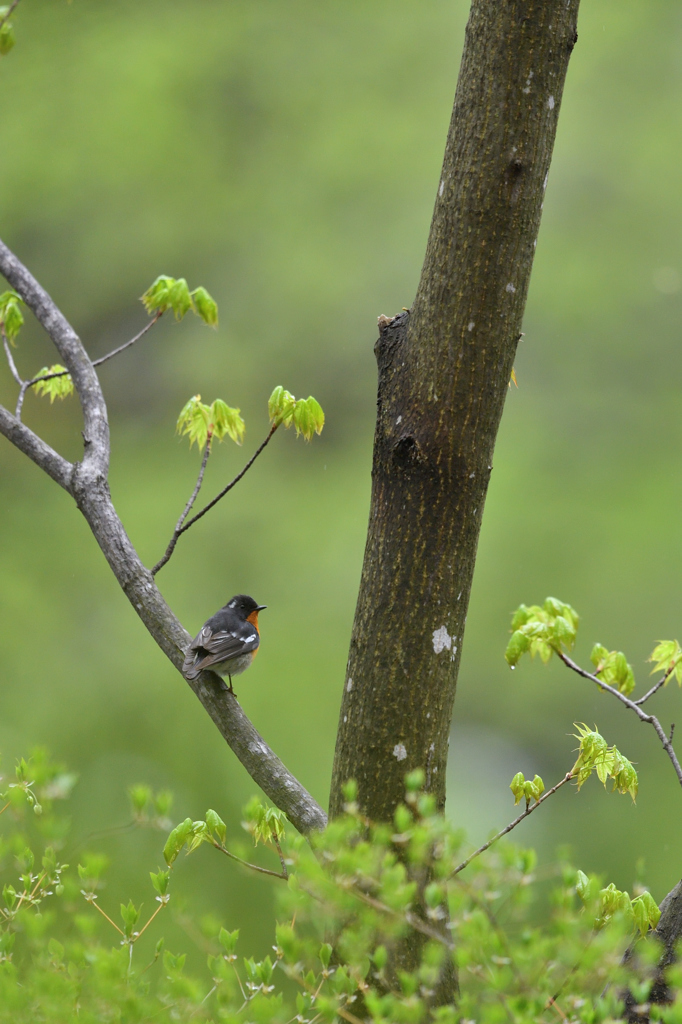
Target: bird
[{"x": 228, "y": 642}]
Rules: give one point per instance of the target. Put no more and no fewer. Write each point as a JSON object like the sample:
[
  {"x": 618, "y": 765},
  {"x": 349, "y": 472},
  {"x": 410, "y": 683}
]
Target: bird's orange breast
[{"x": 253, "y": 617}]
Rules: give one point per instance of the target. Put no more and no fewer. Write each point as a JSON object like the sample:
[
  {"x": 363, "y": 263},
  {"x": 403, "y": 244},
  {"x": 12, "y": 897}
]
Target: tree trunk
[{"x": 444, "y": 370}]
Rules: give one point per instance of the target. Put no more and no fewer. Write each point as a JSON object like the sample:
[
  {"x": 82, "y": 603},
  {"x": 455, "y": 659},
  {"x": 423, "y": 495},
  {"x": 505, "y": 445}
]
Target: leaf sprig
[
  {"x": 528, "y": 789},
  {"x": 594, "y": 754},
  {"x": 614, "y": 668},
  {"x": 201, "y": 422},
  {"x": 642, "y": 911},
  {"x": 174, "y": 294},
  {"x": 542, "y": 630},
  {"x": 60, "y": 386},
  {"x": 305, "y": 414}
]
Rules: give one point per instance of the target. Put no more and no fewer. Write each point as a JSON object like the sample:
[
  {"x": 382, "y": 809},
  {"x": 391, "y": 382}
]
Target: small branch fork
[
  {"x": 87, "y": 482},
  {"x": 179, "y": 527},
  {"x": 24, "y": 385},
  {"x": 634, "y": 705}
]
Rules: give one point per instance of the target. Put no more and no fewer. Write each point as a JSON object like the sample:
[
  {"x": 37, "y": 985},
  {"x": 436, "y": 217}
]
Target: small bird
[{"x": 228, "y": 642}]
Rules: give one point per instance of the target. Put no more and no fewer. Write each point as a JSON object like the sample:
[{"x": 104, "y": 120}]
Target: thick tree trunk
[{"x": 444, "y": 370}]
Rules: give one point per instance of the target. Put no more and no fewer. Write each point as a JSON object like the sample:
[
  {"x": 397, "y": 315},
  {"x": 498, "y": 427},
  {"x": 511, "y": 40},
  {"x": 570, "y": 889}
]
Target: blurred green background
[{"x": 285, "y": 155}]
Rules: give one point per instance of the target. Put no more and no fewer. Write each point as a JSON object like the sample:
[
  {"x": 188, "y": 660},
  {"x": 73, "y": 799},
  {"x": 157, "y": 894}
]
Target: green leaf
[
  {"x": 179, "y": 298},
  {"x": 160, "y": 881},
  {"x": 177, "y": 839},
  {"x": 225, "y": 420},
  {"x": 56, "y": 387},
  {"x": 518, "y": 644},
  {"x": 157, "y": 298},
  {"x": 7, "y": 39},
  {"x": 193, "y": 421},
  {"x": 668, "y": 658},
  {"x": 517, "y": 786},
  {"x": 228, "y": 940},
  {"x": 281, "y": 407},
  {"x": 216, "y": 824},
  {"x": 140, "y": 798},
  {"x": 325, "y": 954},
  {"x": 11, "y": 316},
  {"x": 205, "y": 306}
]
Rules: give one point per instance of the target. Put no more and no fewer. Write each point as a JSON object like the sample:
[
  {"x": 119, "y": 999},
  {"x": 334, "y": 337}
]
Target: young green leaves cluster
[
  {"x": 201, "y": 423},
  {"x": 366, "y": 884},
  {"x": 11, "y": 317},
  {"x": 174, "y": 294},
  {"x": 605, "y": 903},
  {"x": 305, "y": 414},
  {"x": 594, "y": 754},
  {"x": 59, "y": 386},
  {"x": 526, "y": 789},
  {"x": 542, "y": 630},
  {"x": 613, "y": 668}
]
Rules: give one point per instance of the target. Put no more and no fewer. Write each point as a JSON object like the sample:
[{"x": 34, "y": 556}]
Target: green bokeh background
[{"x": 286, "y": 155}]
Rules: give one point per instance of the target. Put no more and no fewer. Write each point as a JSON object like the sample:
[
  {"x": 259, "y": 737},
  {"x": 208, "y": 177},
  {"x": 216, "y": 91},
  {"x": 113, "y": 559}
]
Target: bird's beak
[{"x": 261, "y": 607}]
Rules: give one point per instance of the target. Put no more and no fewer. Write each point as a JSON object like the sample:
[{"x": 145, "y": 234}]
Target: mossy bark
[{"x": 444, "y": 370}]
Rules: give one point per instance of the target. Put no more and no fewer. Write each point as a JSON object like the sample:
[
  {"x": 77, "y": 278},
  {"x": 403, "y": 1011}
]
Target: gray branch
[{"x": 87, "y": 482}]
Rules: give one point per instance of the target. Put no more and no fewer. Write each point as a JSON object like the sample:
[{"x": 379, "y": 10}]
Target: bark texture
[{"x": 444, "y": 370}]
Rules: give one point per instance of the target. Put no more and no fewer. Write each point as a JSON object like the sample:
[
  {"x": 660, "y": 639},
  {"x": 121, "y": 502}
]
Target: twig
[
  {"x": 187, "y": 509},
  {"x": 281, "y": 855},
  {"x": 672, "y": 731},
  {"x": 634, "y": 706},
  {"x": 248, "y": 864},
  {"x": 10, "y": 359},
  {"x": 180, "y": 529},
  {"x": 104, "y": 914},
  {"x": 512, "y": 824},
  {"x": 231, "y": 484},
  {"x": 127, "y": 344},
  {"x": 6, "y": 18},
  {"x": 157, "y": 911},
  {"x": 654, "y": 689}
]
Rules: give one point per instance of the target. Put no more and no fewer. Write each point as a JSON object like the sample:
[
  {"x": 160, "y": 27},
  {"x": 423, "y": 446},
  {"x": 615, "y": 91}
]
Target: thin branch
[
  {"x": 158, "y": 910},
  {"x": 633, "y": 705},
  {"x": 248, "y": 864},
  {"x": 127, "y": 344},
  {"x": 281, "y": 855},
  {"x": 654, "y": 689},
  {"x": 512, "y": 824},
  {"x": 187, "y": 509},
  {"x": 95, "y": 362},
  {"x": 231, "y": 484},
  {"x": 6, "y": 18},
  {"x": 104, "y": 914},
  {"x": 10, "y": 359}
]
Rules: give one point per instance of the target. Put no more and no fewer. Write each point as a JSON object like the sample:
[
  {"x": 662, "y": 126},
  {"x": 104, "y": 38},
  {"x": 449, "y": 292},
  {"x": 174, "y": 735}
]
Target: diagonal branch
[
  {"x": 634, "y": 706},
  {"x": 37, "y": 450},
  {"x": 87, "y": 482},
  {"x": 180, "y": 529}
]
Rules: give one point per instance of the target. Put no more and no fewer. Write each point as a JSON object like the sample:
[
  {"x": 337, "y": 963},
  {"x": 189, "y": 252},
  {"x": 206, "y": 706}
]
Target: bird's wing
[{"x": 209, "y": 648}]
